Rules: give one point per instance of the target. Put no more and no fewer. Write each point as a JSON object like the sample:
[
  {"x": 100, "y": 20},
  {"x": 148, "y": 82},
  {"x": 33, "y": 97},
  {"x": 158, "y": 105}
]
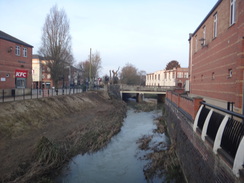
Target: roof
[
  {"x": 7, "y": 37},
  {"x": 35, "y": 56},
  {"x": 209, "y": 14}
]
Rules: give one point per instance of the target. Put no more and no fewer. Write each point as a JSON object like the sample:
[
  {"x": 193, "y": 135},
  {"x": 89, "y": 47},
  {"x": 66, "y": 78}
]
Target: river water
[{"x": 120, "y": 160}]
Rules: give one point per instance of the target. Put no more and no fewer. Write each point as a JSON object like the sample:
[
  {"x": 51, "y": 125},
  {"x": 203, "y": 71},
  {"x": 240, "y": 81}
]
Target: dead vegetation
[
  {"x": 162, "y": 163},
  {"x": 32, "y": 150}
]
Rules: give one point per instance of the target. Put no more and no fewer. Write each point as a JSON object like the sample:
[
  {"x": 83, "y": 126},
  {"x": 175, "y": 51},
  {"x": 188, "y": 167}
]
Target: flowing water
[{"x": 120, "y": 160}]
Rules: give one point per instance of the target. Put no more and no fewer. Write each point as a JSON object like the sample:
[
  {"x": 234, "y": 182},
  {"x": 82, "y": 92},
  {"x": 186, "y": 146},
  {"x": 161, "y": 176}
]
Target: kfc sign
[{"x": 21, "y": 74}]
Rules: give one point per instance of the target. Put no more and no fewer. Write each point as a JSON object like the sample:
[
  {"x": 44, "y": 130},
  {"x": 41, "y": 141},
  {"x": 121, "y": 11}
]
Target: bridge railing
[{"x": 145, "y": 88}]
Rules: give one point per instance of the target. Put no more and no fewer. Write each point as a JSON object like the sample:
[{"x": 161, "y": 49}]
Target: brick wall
[
  {"x": 187, "y": 104},
  {"x": 9, "y": 62},
  {"x": 197, "y": 159},
  {"x": 211, "y": 63}
]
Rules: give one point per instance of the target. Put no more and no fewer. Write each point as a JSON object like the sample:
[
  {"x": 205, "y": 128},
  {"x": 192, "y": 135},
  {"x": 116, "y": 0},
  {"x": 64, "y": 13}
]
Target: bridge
[{"x": 141, "y": 90}]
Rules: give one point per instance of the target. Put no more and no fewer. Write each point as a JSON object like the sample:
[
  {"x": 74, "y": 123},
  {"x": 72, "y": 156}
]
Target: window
[
  {"x": 25, "y": 52},
  {"x": 204, "y": 36},
  {"x": 232, "y": 11},
  {"x": 196, "y": 43},
  {"x": 20, "y": 82},
  {"x": 230, "y": 73},
  {"x": 179, "y": 75},
  {"x": 159, "y": 77},
  {"x": 185, "y": 74},
  {"x": 213, "y": 76},
  {"x": 215, "y": 26},
  {"x": 17, "y": 50}
]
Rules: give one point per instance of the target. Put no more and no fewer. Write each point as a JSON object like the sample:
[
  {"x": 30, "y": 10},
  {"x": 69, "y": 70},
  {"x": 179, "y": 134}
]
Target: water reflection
[{"x": 119, "y": 161}]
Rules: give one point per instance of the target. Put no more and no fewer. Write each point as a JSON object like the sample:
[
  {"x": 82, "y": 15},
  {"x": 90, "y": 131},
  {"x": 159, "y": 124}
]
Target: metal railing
[
  {"x": 233, "y": 131},
  {"x": 224, "y": 110},
  {"x": 145, "y": 88},
  {"x": 7, "y": 95}
]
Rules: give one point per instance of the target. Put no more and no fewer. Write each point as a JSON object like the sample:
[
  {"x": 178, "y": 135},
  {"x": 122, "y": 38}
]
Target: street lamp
[{"x": 90, "y": 69}]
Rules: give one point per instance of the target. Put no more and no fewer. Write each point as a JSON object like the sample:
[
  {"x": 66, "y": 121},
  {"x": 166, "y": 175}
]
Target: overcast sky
[{"x": 145, "y": 33}]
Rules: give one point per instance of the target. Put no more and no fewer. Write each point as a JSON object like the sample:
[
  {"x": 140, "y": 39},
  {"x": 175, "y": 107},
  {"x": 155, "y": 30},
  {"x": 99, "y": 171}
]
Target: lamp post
[{"x": 90, "y": 69}]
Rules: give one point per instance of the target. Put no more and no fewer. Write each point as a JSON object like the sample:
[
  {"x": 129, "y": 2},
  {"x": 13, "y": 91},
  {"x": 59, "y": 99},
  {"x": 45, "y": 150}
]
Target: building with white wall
[{"x": 173, "y": 77}]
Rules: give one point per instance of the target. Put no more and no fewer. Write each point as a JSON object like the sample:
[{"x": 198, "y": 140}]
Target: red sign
[{"x": 21, "y": 73}]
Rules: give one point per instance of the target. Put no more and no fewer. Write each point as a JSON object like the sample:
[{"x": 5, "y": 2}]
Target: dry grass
[
  {"x": 162, "y": 162},
  {"x": 79, "y": 124}
]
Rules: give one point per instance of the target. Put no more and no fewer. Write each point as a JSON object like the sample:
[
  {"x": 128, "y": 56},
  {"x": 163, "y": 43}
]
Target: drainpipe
[
  {"x": 243, "y": 93},
  {"x": 190, "y": 60},
  {"x": 243, "y": 82}
]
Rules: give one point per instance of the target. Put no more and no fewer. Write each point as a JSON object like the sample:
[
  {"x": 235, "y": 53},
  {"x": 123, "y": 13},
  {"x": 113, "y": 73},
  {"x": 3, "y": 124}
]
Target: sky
[{"x": 145, "y": 33}]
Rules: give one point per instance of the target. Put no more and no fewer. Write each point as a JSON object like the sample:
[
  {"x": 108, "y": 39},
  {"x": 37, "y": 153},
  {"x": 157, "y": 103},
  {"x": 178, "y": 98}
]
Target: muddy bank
[
  {"x": 163, "y": 159},
  {"x": 38, "y": 136}
]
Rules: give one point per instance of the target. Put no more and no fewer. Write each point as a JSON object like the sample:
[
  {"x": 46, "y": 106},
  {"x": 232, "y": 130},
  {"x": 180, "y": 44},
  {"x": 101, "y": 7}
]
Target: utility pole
[{"x": 90, "y": 71}]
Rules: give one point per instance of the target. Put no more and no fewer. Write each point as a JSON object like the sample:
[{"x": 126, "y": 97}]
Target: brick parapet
[
  {"x": 187, "y": 104},
  {"x": 198, "y": 161}
]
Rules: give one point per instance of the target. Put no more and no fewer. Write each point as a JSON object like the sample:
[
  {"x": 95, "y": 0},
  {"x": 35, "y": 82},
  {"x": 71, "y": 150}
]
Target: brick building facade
[
  {"x": 71, "y": 77},
  {"x": 172, "y": 77},
  {"x": 15, "y": 62},
  {"x": 216, "y": 62},
  {"x": 41, "y": 73}
]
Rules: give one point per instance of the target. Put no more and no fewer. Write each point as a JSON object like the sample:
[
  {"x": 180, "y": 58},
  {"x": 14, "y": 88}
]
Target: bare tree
[
  {"x": 56, "y": 43},
  {"x": 93, "y": 66},
  {"x": 142, "y": 75},
  {"x": 129, "y": 75}
]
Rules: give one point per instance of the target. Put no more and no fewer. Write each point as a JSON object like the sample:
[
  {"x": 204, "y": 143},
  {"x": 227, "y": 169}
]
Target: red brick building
[
  {"x": 216, "y": 56},
  {"x": 15, "y": 63}
]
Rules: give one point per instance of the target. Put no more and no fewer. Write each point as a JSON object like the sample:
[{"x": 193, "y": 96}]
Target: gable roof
[{"x": 7, "y": 37}]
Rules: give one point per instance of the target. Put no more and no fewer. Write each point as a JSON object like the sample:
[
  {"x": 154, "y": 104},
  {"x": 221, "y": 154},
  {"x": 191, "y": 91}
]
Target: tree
[
  {"x": 129, "y": 75},
  {"x": 95, "y": 64},
  {"x": 56, "y": 43},
  {"x": 172, "y": 64},
  {"x": 142, "y": 75}
]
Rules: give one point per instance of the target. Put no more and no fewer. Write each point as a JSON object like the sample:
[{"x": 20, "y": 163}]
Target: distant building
[
  {"x": 41, "y": 73},
  {"x": 71, "y": 76},
  {"x": 15, "y": 62},
  {"x": 174, "y": 77},
  {"x": 216, "y": 56}
]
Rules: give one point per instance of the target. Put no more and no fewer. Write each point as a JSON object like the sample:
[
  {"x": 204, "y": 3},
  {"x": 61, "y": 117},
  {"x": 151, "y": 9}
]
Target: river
[{"x": 120, "y": 161}]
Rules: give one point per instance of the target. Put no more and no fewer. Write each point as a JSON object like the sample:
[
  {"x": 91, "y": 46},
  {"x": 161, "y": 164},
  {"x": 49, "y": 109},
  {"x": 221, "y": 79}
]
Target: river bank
[
  {"x": 38, "y": 136},
  {"x": 163, "y": 161}
]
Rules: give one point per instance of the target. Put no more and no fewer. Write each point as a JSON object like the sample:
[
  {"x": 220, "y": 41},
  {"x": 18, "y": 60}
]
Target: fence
[
  {"x": 7, "y": 95},
  {"x": 221, "y": 130}
]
